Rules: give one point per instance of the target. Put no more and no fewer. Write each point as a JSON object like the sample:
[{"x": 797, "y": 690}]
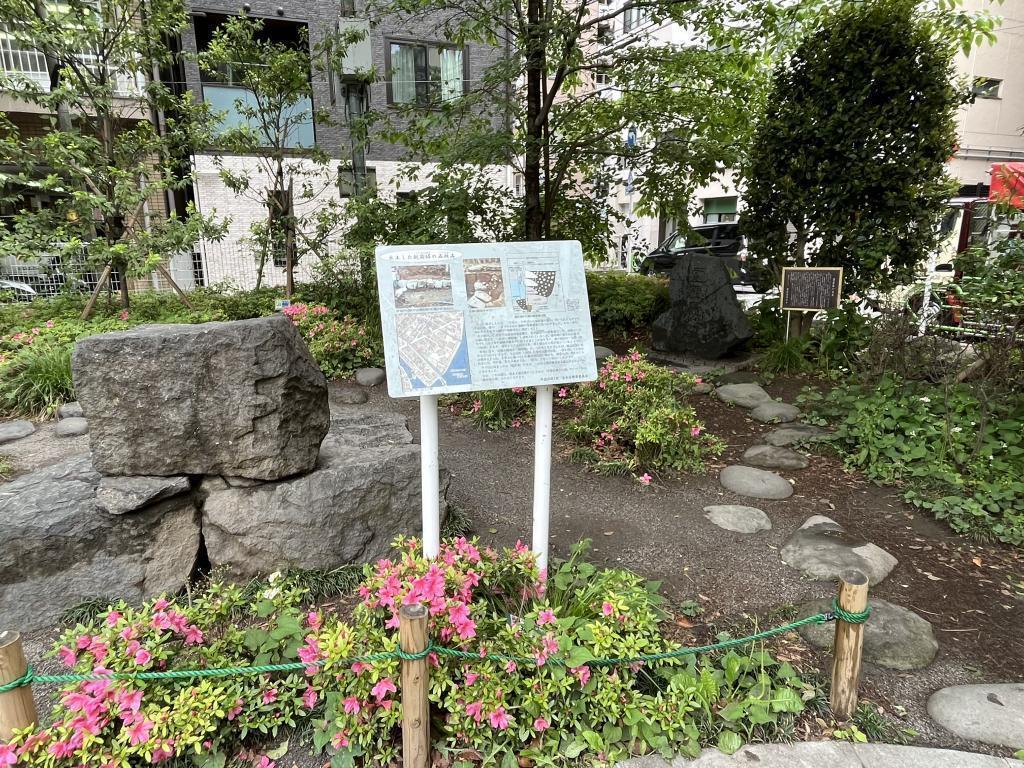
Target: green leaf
[
  {"x": 578, "y": 656},
  {"x": 279, "y": 751},
  {"x": 729, "y": 742},
  {"x": 787, "y": 700},
  {"x": 733, "y": 711}
]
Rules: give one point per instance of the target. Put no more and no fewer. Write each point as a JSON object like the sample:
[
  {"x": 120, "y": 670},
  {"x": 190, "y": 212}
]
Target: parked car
[{"x": 724, "y": 239}]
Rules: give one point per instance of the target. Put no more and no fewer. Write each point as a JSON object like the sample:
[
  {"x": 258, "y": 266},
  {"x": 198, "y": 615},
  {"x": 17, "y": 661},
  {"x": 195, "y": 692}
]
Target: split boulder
[
  {"x": 822, "y": 550},
  {"x": 242, "y": 398}
]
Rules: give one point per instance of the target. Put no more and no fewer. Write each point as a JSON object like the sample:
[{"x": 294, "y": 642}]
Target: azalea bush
[
  {"x": 339, "y": 344},
  {"x": 495, "y": 409},
  {"x": 635, "y": 419},
  {"x": 534, "y": 687}
]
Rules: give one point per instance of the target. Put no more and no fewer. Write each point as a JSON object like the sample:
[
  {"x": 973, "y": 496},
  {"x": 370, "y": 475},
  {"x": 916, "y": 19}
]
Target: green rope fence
[{"x": 819, "y": 618}]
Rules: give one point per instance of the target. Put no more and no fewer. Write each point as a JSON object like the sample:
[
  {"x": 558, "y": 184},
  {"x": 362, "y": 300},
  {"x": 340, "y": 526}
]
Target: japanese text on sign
[
  {"x": 811, "y": 287},
  {"x": 462, "y": 318}
]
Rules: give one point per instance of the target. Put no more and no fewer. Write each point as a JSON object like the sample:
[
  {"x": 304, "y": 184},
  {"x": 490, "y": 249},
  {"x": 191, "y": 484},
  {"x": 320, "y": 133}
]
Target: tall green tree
[
  {"x": 847, "y": 166},
  {"x": 115, "y": 137}
]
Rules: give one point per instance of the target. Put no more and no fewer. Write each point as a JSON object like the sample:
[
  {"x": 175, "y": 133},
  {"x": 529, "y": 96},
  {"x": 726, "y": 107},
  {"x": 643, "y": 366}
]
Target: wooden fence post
[
  {"x": 412, "y": 633},
  {"x": 17, "y": 707},
  {"x": 849, "y": 642}
]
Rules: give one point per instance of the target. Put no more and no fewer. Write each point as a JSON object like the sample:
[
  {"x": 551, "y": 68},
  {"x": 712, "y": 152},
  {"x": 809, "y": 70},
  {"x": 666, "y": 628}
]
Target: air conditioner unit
[{"x": 358, "y": 56}]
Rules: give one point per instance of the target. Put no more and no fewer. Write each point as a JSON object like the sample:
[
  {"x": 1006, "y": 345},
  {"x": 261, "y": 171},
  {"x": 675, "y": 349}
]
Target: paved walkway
[{"x": 829, "y": 754}]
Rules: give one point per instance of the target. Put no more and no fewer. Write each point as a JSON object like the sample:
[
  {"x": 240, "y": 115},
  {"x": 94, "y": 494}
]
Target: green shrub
[
  {"x": 339, "y": 345},
  {"x": 36, "y": 380},
  {"x": 785, "y": 356},
  {"x": 840, "y": 337},
  {"x": 622, "y": 303},
  {"x": 768, "y": 322},
  {"x": 541, "y": 699},
  {"x": 954, "y": 454},
  {"x": 495, "y": 409},
  {"x": 633, "y": 420}
]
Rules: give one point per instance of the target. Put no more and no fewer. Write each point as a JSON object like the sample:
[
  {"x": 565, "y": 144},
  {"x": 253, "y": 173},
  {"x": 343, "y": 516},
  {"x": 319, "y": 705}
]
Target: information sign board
[
  {"x": 809, "y": 288},
  {"x": 463, "y": 318}
]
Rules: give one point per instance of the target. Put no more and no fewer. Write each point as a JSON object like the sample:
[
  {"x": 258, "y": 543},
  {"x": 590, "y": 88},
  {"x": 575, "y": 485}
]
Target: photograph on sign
[
  {"x": 811, "y": 288},
  {"x": 461, "y": 318}
]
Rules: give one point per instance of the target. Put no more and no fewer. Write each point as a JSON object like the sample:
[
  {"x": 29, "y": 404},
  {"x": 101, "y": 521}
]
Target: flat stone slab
[
  {"x": 894, "y": 637},
  {"x": 72, "y": 410},
  {"x": 833, "y": 754},
  {"x": 15, "y": 430},
  {"x": 349, "y": 396},
  {"x": 703, "y": 388},
  {"x": 124, "y": 494},
  {"x": 749, "y": 395},
  {"x": 774, "y": 457},
  {"x": 758, "y": 483},
  {"x": 822, "y": 550},
  {"x": 796, "y": 433},
  {"x": 738, "y": 518},
  {"x": 71, "y": 427},
  {"x": 775, "y": 412},
  {"x": 370, "y": 377},
  {"x": 602, "y": 353},
  {"x": 988, "y": 712}
]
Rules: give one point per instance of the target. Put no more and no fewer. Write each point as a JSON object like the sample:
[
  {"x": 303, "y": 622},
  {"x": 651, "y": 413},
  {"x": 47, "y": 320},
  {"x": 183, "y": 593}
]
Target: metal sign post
[{"x": 473, "y": 317}]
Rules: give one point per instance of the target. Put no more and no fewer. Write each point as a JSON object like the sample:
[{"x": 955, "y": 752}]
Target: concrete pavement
[{"x": 829, "y": 754}]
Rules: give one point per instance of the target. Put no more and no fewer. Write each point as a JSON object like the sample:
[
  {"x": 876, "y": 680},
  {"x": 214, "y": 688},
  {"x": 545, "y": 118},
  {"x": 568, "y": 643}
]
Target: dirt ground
[{"x": 970, "y": 592}]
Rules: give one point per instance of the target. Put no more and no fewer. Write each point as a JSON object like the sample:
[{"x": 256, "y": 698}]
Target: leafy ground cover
[{"x": 545, "y": 700}]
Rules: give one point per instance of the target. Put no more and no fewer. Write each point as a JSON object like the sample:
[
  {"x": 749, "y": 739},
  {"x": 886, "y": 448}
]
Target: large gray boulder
[
  {"x": 738, "y": 518},
  {"x": 119, "y": 495},
  {"x": 364, "y": 491},
  {"x": 894, "y": 637},
  {"x": 758, "y": 483},
  {"x": 60, "y": 549},
  {"x": 243, "y": 398},
  {"x": 704, "y": 316},
  {"x": 823, "y": 550},
  {"x": 744, "y": 394}
]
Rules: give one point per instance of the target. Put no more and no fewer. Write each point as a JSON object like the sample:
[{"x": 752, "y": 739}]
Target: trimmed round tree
[{"x": 847, "y": 166}]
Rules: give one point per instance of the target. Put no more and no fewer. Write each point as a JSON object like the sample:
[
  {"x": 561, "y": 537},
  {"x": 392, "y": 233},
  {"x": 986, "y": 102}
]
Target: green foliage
[
  {"x": 633, "y": 419},
  {"x": 768, "y": 323},
  {"x": 872, "y": 74},
  {"x": 955, "y": 454},
  {"x": 339, "y": 345},
  {"x": 5, "y": 467},
  {"x": 785, "y": 356},
  {"x": 97, "y": 167},
  {"x": 37, "y": 380},
  {"x": 840, "y": 337},
  {"x": 525, "y": 705},
  {"x": 495, "y": 409},
  {"x": 622, "y": 302},
  {"x": 872, "y": 722}
]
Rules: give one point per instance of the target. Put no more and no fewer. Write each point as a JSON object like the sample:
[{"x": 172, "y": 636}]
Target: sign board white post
[
  {"x": 430, "y": 472},
  {"x": 542, "y": 476},
  {"x": 473, "y": 317}
]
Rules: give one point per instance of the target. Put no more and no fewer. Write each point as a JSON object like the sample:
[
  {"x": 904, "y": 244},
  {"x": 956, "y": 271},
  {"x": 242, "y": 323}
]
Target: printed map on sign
[{"x": 459, "y": 318}]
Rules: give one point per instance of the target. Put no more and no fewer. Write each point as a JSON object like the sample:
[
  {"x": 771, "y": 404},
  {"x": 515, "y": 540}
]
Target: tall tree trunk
[{"x": 534, "y": 126}]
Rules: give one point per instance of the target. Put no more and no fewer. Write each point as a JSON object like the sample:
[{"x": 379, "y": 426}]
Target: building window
[
  {"x": 632, "y": 18},
  {"x": 602, "y": 76},
  {"x": 424, "y": 73},
  {"x": 986, "y": 88},
  {"x": 719, "y": 209},
  {"x": 605, "y": 33}
]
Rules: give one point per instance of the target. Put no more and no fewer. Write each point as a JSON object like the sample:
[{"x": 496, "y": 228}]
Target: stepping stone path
[
  {"x": 894, "y": 637},
  {"x": 744, "y": 395},
  {"x": 15, "y": 430},
  {"x": 602, "y": 353},
  {"x": 822, "y": 550},
  {"x": 370, "y": 377},
  {"x": 775, "y": 411},
  {"x": 774, "y": 458},
  {"x": 736, "y": 517},
  {"x": 989, "y": 712},
  {"x": 796, "y": 433},
  {"x": 71, "y": 427},
  {"x": 757, "y": 483},
  {"x": 72, "y": 410}
]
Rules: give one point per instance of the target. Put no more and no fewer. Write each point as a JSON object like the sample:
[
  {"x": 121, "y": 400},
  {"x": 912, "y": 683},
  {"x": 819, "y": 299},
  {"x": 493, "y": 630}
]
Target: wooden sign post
[{"x": 809, "y": 289}]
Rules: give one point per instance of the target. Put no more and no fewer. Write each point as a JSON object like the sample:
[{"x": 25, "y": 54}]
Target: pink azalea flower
[
  {"x": 359, "y": 667},
  {"x": 583, "y": 673},
  {"x": 112, "y": 618},
  {"x": 474, "y": 710},
  {"x": 270, "y": 696},
  {"x": 645, "y": 478},
  {"x": 235, "y": 711},
  {"x": 83, "y": 642},
  {"x": 143, "y": 657},
  {"x": 383, "y": 688},
  {"x": 695, "y": 431},
  {"x": 471, "y": 677},
  {"x": 352, "y": 706},
  {"x": 266, "y": 762},
  {"x": 160, "y": 604},
  {"x": 138, "y": 732},
  {"x": 193, "y": 636},
  {"x": 7, "y": 755},
  {"x": 339, "y": 740},
  {"x": 309, "y": 697},
  {"x": 499, "y": 719},
  {"x": 162, "y": 754},
  {"x": 510, "y": 667},
  {"x": 607, "y": 608},
  {"x": 563, "y": 392},
  {"x": 67, "y": 656},
  {"x": 547, "y": 616},
  {"x": 541, "y": 724},
  {"x": 128, "y": 702},
  {"x": 313, "y": 620}
]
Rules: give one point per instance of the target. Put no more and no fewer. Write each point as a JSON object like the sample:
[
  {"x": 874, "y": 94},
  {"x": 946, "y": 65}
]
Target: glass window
[
  {"x": 719, "y": 209},
  {"x": 986, "y": 87},
  {"x": 425, "y": 74}
]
